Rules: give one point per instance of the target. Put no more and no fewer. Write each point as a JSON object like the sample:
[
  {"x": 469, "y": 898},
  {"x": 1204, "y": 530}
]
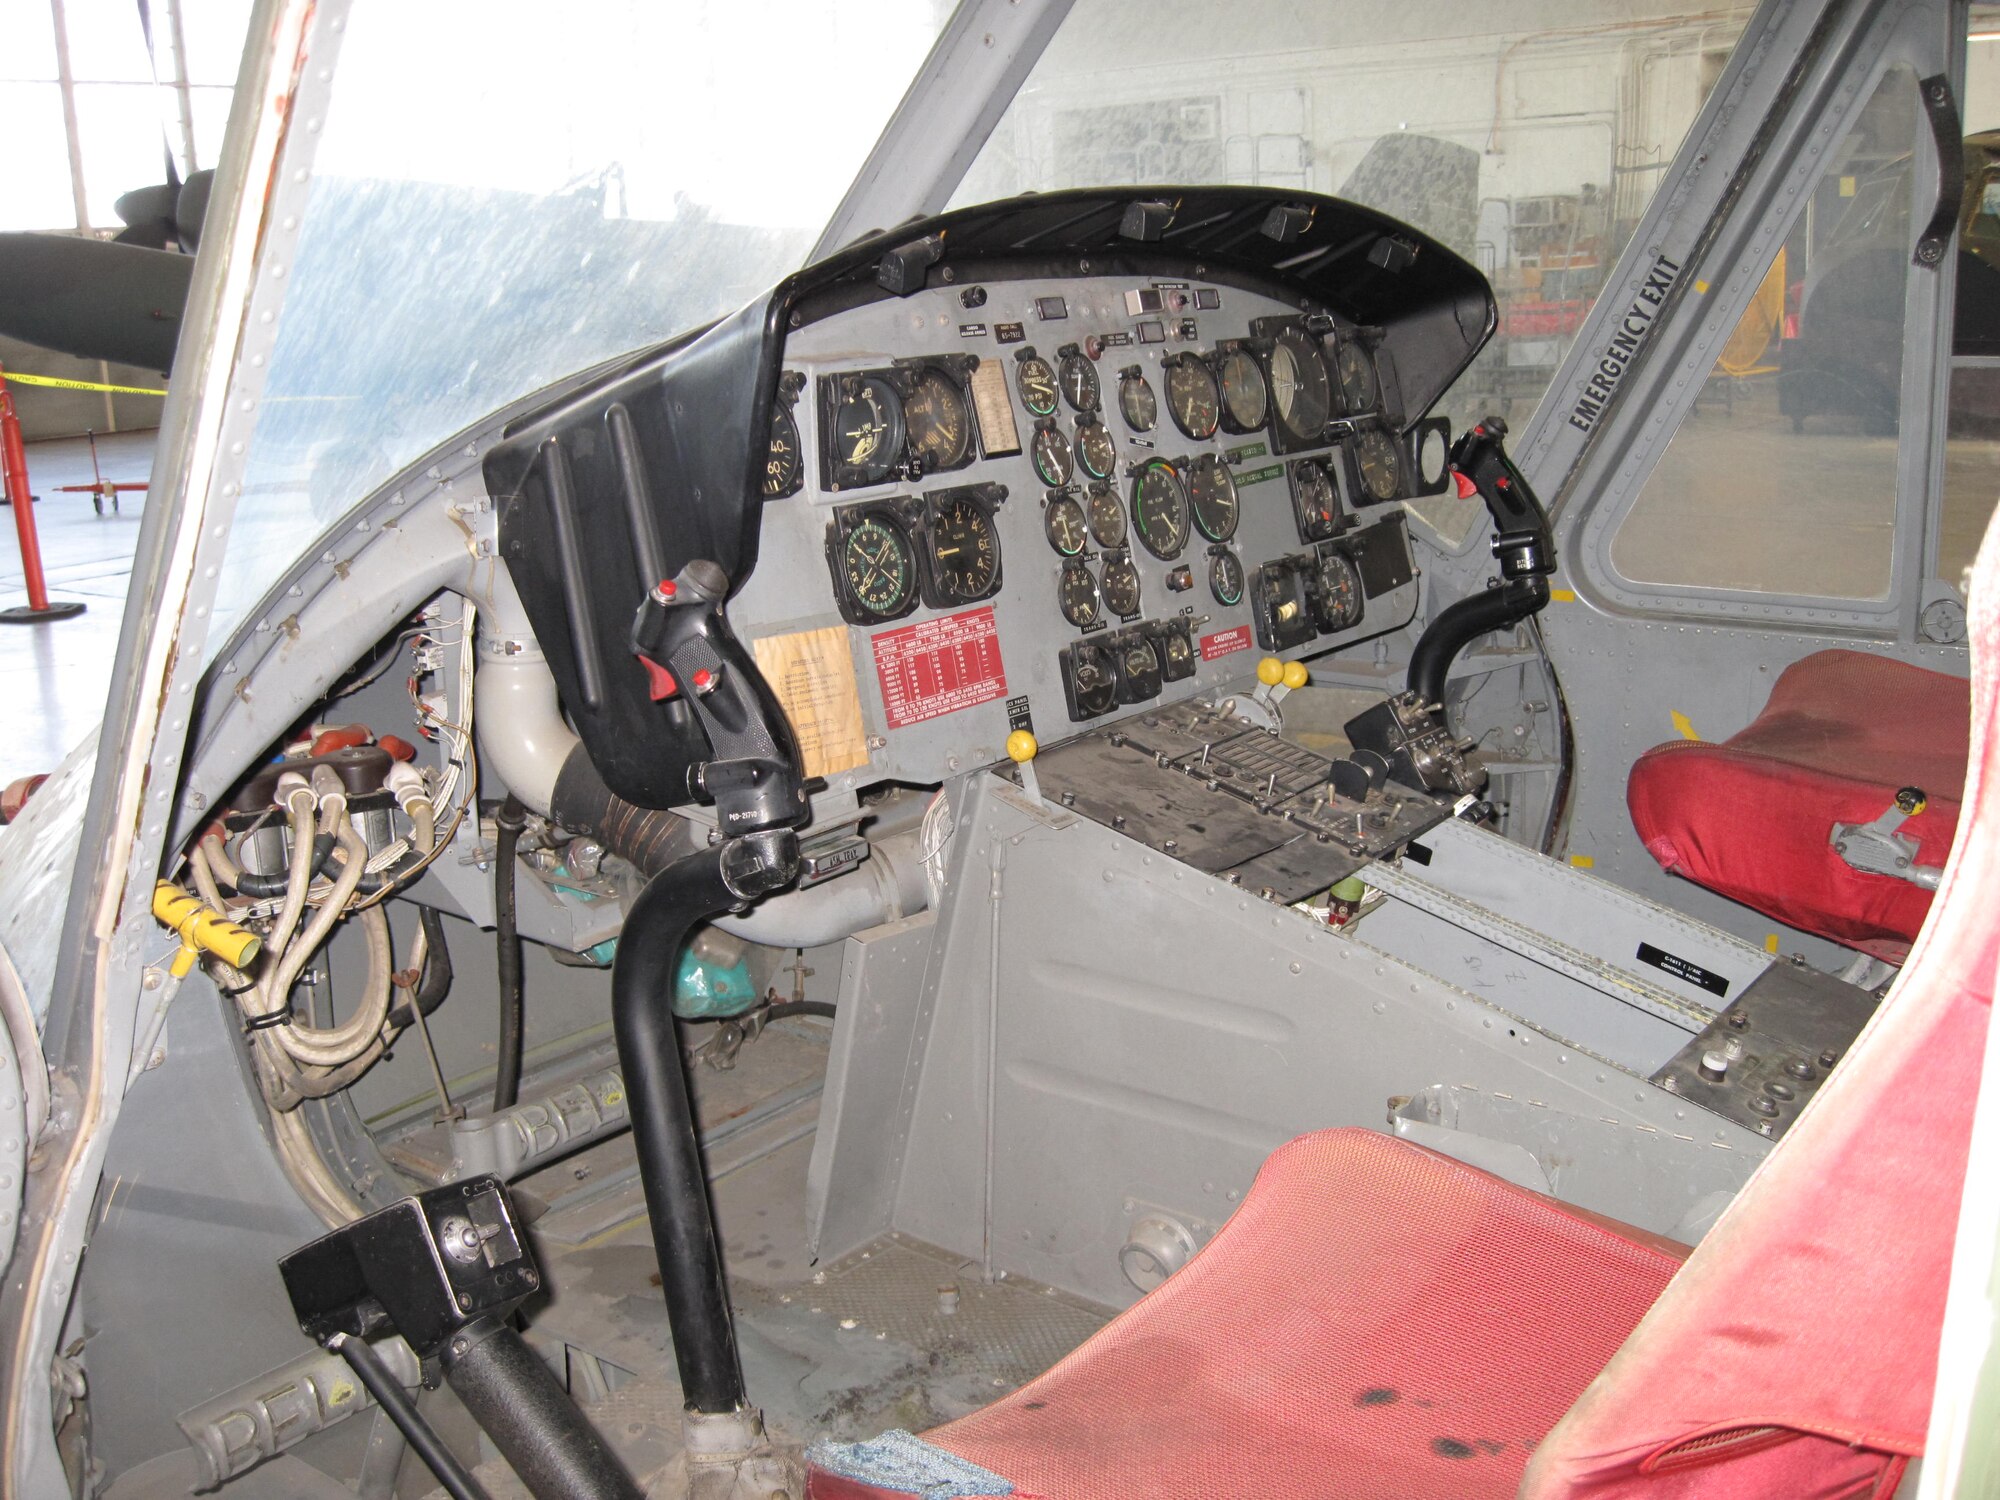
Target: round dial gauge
[
  {"x": 1096, "y": 689},
  {"x": 880, "y": 571},
  {"x": 1315, "y": 500},
  {"x": 1225, "y": 578},
  {"x": 1095, "y": 450},
  {"x": 1076, "y": 595},
  {"x": 1381, "y": 466},
  {"x": 1177, "y": 654},
  {"x": 1357, "y": 377},
  {"x": 965, "y": 553},
  {"x": 1037, "y": 383},
  {"x": 1052, "y": 457},
  {"x": 1192, "y": 398},
  {"x": 868, "y": 431},
  {"x": 1301, "y": 393},
  {"x": 1246, "y": 402},
  {"x": 1120, "y": 586},
  {"x": 1137, "y": 401},
  {"x": 1212, "y": 493},
  {"x": 1065, "y": 525},
  {"x": 1079, "y": 382},
  {"x": 781, "y": 458},
  {"x": 1160, "y": 509},
  {"x": 1107, "y": 517},
  {"x": 1139, "y": 660},
  {"x": 1338, "y": 587},
  {"x": 940, "y": 426}
]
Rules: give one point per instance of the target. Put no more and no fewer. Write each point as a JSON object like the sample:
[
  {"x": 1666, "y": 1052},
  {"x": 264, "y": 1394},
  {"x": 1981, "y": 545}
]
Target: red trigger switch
[
  {"x": 661, "y": 682},
  {"x": 1467, "y": 490}
]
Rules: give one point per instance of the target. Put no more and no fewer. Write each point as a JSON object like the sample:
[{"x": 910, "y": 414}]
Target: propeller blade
[{"x": 93, "y": 299}]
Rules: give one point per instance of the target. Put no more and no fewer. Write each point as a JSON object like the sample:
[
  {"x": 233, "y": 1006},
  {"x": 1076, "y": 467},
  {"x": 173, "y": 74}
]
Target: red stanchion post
[{"x": 14, "y": 460}]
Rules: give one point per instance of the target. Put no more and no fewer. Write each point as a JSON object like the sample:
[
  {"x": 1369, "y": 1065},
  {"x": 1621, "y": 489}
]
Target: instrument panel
[{"x": 1044, "y": 504}]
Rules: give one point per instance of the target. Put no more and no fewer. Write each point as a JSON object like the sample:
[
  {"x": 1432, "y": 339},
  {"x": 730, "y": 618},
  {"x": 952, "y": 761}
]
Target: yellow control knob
[
  {"x": 203, "y": 929},
  {"x": 1021, "y": 747},
  {"x": 1295, "y": 674},
  {"x": 1270, "y": 671}
]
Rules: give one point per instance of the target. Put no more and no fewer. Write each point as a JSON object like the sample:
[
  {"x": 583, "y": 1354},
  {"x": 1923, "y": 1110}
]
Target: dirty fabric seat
[
  {"x": 1750, "y": 818},
  {"x": 1376, "y": 1320}
]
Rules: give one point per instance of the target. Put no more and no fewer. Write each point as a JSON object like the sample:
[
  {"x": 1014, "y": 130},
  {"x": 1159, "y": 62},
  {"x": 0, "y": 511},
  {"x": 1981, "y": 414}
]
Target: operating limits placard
[{"x": 939, "y": 666}]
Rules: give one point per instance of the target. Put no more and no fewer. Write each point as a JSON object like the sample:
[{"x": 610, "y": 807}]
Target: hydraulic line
[{"x": 513, "y": 817}]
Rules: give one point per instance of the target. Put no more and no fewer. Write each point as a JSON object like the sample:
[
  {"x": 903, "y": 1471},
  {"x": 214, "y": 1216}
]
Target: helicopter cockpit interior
[{"x": 900, "y": 891}]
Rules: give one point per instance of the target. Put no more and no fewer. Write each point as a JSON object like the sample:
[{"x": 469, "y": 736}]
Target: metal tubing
[
  {"x": 533, "y": 1421},
  {"x": 670, "y": 1167},
  {"x": 372, "y": 1373}
]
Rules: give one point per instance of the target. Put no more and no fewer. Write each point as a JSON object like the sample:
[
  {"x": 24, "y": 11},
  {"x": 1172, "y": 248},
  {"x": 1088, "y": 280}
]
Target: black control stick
[
  {"x": 684, "y": 643},
  {"x": 1521, "y": 541}
]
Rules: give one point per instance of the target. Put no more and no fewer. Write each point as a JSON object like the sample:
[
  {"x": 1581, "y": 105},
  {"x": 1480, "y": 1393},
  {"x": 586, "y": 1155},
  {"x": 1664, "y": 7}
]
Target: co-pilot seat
[
  {"x": 1832, "y": 812},
  {"x": 1377, "y": 1321}
]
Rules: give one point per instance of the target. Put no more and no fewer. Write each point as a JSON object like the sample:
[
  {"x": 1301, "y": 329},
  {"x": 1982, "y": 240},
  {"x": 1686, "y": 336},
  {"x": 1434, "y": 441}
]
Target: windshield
[{"x": 498, "y": 202}]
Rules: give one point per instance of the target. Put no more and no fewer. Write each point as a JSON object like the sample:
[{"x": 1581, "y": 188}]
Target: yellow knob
[
  {"x": 200, "y": 927},
  {"x": 1270, "y": 671},
  {"x": 1021, "y": 746},
  {"x": 1295, "y": 674}
]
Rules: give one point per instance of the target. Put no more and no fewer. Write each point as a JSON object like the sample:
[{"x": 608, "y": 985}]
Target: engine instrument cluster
[{"x": 1041, "y": 503}]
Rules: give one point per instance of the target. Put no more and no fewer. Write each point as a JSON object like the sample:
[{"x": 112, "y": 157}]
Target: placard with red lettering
[
  {"x": 1225, "y": 641},
  {"x": 939, "y": 666}
]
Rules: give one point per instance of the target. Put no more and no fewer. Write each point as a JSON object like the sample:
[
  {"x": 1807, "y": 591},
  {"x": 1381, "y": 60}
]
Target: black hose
[
  {"x": 650, "y": 840},
  {"x": 784, "y": 1008},
  {"x": 259, "y": 887},
  {"x": 513, "y": 817},
  {"x": 1473, "y": 616},
  {"x": 435, "y": 981},
  {"x": 532, "y": 1420},
  {"x": 686, "y": 893},
  {"x": 440, "y": 1460}
]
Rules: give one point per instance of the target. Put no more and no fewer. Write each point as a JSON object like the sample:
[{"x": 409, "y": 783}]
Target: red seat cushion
[
  {"x": 1749, "y": 818},
  {"x": 1375, "y": 1322}
]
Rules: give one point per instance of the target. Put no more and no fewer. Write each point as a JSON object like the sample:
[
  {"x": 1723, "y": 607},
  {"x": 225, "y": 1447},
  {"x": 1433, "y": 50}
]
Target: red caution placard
[
  {"x": 1223, "y": 642},
  {"x": 939, "y": 666}
]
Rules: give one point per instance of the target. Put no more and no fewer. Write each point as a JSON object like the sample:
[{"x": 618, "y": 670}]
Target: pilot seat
[
  {"x": 1832, "y": 812},
  {"x": 1380, "y": 1321}
]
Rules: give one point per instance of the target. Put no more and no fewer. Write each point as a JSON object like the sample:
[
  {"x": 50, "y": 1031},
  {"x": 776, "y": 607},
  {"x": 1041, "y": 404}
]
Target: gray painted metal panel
[
  {"x": 1161, "y": 1032},
  {"x": 863, "y": 1114}
]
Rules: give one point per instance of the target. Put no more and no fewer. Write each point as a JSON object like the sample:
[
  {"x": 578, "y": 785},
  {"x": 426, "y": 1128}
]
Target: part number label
[
  {"x": 939, "y": 667},
  {"x": 1223, "y": 642}
]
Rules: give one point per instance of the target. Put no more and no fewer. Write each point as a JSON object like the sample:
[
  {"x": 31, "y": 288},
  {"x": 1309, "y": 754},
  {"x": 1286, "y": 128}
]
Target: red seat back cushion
[
  {"x": 1375, "y": 1321},
  {"x": 1750, "y": 817}
]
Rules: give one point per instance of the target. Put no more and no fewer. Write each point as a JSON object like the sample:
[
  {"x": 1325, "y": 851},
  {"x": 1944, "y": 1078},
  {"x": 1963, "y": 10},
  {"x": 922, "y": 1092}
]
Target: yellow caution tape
[
  {"x": 1582, "y": 861},
  {"x": 14, "y": 378},
  {"x": 1563, "y": 596}
]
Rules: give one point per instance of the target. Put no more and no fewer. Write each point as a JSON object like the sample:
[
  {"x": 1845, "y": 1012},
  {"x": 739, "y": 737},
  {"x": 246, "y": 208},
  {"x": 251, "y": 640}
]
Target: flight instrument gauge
[
  {"x": 866, "y": 431},
  {"x": 874, "y": 567},
  {"x": 1160, "y": 509},
  {"x": 1138, "y": 666},
  {"x": 1212, "y": 495},
  {"x": 782, "y": 467},
  {"x": 1379, "y": 464},
  {"x": 1053, "y": 462},
  {"x": 1079, "y": 380},
  {"x": 1141, "y": 408},
  {"x": 1094, "y": 448},
  {"x": 1176, "y": 656},
  {"x": 1315, "y": 501},
  {"x": 940, "y": 423},
  {"x": 963, "y": 549},
  {"x": 1088, "y": 683},
  {"x": 1301, "y": 390},
  {"x": 1357, "y": 377},
  {"x": 1246, "y": 402},
  {"x": 1064, "y": 522},
  {"x": 1037, "y": 384},
  {"x": 1336, "y": 592},
  {"x": 1120, "y": 586},
  {"x": 1076, "y": 595},
  {"x": 1193, "y": 400},
  {"x": 1107, "y": 517},
  {"x": 1225, "y": 578}
]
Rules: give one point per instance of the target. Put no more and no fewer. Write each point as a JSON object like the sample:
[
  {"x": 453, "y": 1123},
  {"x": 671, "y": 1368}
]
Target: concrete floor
[{"x": 54, "y": 674}]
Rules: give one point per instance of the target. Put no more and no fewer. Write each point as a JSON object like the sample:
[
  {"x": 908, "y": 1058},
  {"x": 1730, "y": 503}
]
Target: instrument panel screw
[{"x": 465, "y": 1305}]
